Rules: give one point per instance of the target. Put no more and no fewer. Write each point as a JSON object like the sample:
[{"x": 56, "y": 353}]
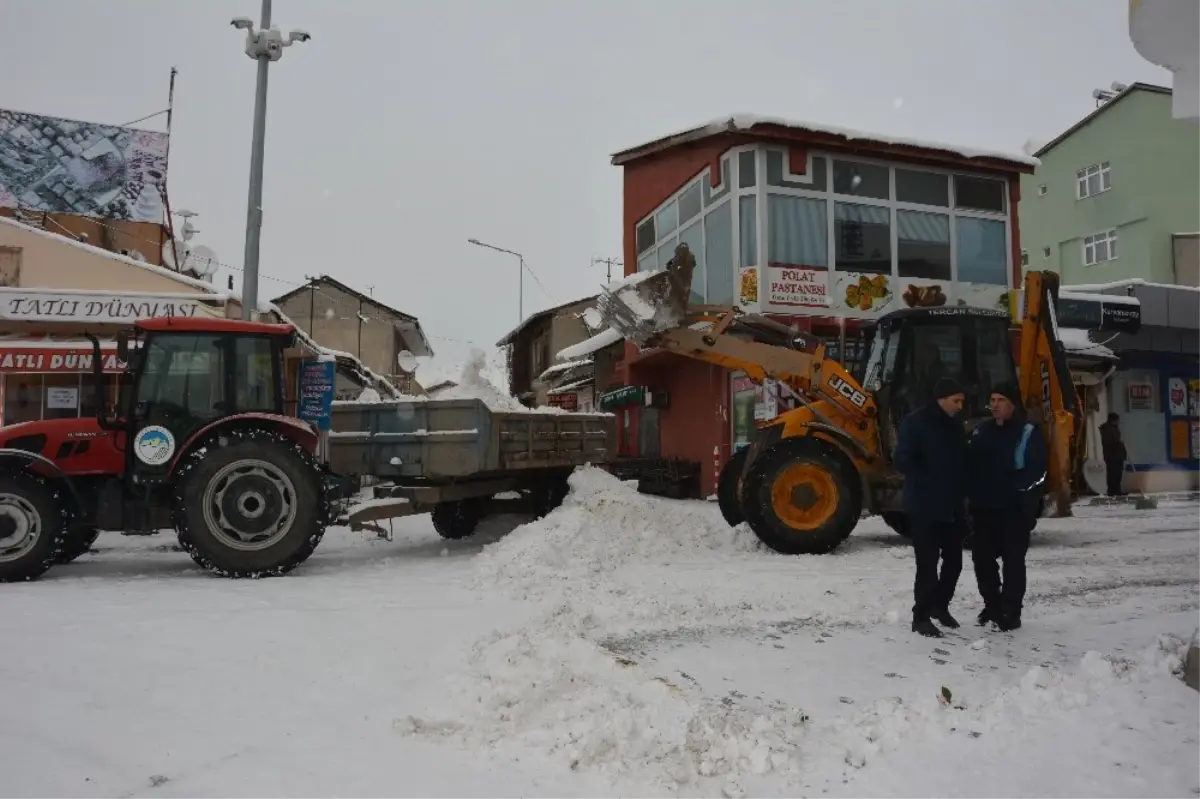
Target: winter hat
[
  {"x": 946, "y": 387},
  {"x": 1009, "y": 392}
]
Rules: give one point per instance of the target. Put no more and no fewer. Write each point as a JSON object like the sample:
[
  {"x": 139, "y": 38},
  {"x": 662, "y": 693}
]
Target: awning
[{"x": 50, "y": 355}]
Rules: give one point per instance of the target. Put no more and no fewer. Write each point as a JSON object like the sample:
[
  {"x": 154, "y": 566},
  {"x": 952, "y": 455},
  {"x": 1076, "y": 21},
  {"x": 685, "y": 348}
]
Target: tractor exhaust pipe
[{"x": 101, "y": 396}]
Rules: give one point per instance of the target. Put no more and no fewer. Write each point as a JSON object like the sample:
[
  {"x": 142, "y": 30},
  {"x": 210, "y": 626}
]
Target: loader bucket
[{"x": 647, "y": 303}]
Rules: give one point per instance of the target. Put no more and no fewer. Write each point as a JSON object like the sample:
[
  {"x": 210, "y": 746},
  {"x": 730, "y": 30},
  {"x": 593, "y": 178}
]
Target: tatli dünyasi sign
[
  {"x": 46, "y": 306},
  {"x": 799, "y": 285}
]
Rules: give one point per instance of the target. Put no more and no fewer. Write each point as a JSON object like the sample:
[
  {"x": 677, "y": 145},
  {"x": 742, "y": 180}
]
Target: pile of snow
[
  {"x": 474, "y": 384},
  {"x": 555, "y": 691},
  {"x": 602, "y": 526}
]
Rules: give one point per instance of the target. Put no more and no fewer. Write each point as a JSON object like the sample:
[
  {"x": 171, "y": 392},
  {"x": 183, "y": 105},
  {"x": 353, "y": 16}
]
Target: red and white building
[{"x": 815, "y": 226}]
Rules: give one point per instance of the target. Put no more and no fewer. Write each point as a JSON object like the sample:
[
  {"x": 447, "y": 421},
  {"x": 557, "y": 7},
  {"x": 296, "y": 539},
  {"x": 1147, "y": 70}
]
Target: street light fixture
[
  {"x": 520, "y": 275},
  {"x": 264, "y": 46}
]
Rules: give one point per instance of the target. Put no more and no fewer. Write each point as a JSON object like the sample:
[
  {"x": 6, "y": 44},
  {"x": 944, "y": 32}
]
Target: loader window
[
  {"x": 993, "y": 354},
  {"x": 936, "y": 351}
]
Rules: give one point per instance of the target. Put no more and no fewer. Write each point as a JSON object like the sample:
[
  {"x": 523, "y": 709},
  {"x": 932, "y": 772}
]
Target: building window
[
  {"x": 693, "y": 237},
  {"x": 1045, "y": 252},
  {"x": 748, "y": 229},
  {"x": 746, "y": 168},
  {"x": 923, "y": 245},
  {"x": 718, "y": 254},
  {"x": 645, "y": 235},
  {"x": 1024, "y": 257},
  {"x": 861, "y": 180},
  {"x": 922, "y": 188},
  {"x": 1092, "y": 180},
  {"x": 862, "y": 238},
  {"x": 667, "y": 219},
  {"x": 1042, "y": 190},
  {"x": 1100, "y": 247},
  {"x": 797, "y": 231},
  {"x": 978, "y": 194},
  {"x": 689, "y": 203},
  {"x": 982, "y": 251}
]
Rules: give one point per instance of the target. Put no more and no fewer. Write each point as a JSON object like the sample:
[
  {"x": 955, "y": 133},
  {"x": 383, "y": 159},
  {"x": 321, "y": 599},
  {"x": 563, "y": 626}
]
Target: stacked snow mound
[
  {"x": 474, "y": 384},
  {"x": 602, "y": 526}
]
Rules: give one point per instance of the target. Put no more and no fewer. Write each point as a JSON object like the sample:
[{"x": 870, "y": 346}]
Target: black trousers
[
  {"x": 1002, "y": 535},
  {"x": 931, "y": 540},
  {"x": 1114, "y": 471}
]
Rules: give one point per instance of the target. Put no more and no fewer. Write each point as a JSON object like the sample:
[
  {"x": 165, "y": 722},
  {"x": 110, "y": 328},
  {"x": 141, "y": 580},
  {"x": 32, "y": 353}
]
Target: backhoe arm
[{"x": 1047, "y": 391}]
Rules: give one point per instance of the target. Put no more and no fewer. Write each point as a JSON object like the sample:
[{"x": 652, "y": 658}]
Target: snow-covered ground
[{"x": 623, "y": 644}]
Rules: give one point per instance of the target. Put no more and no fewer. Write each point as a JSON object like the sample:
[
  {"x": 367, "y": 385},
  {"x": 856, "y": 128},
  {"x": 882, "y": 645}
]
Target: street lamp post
[
  {"x": 520, "y": 275},
  {"x": 264, "y": 46}
]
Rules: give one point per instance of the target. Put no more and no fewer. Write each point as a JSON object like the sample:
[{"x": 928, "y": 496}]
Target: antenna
[
  {"x": 1102, "y": 96},
  {"x": 609, "y": 263}
]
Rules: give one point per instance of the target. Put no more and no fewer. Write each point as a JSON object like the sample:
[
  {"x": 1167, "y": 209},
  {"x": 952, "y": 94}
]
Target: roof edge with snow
[
  {"x": 750, "y": 123},
  {"x": 1118, "y": 97}
]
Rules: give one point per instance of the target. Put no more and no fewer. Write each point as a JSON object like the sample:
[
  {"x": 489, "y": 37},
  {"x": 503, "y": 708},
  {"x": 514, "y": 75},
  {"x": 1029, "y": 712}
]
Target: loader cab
[
  {"x": 913, "y": 348},
  {"x": 184, "y": 375}
]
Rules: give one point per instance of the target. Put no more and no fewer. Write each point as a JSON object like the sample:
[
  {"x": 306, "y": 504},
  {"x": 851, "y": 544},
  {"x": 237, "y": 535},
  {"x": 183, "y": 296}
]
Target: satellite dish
[
  {"x": 203, "y": 261},
  {"x": 173, "y": 252},
  {"x": 406, "y": 361}
]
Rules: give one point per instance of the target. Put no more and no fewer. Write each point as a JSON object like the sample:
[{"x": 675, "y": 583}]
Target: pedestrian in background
[
  {"x": 931, "y": 453},
  {"x": 1008, "y": 479},
  {"x": 1113, "y": 449}
]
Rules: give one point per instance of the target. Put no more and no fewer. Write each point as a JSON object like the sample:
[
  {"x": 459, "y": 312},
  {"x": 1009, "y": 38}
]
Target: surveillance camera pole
[{"x": 257, "y": 47}]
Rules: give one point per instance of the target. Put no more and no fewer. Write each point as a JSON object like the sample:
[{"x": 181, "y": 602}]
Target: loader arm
[{"x": 1047, "y": 391}]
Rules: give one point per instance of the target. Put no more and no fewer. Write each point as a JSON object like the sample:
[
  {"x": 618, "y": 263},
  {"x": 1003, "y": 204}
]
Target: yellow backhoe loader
[{"x": 807, "y": 476}]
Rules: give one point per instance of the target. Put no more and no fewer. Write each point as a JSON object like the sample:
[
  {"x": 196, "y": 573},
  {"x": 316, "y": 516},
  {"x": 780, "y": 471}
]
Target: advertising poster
[
  {"x": 748, "y": 287},
  {"x": 1196, "y": 439},
  {"x": 1141, "y": 397},
  {"x": 65, "y": 166},
  {"x": 316, "y": 392},
  {"x": 1194, "y": 398},
  {"x": 742, "y": 411},
  {"x": 1177, "y": 396},
  {"x": 798, "y": 287},
  {"x": 62, "y": 397},
  {"x": 862, "y": 295}
]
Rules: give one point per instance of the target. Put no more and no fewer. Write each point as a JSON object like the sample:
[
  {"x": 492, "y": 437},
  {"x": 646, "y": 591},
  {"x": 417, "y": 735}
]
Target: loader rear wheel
[
  {"x": 33, "y": 527},
  {"x": 729, "y": 488},
  {"x": 457, "y": 519},
  {"x": 250, "y": 508},
  {"x": 802, "y": 496}
]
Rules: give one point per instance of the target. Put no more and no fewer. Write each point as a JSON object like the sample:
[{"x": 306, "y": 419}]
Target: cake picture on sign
[
  {"x": 748, "y": 290},
  {"x": 866, "y": 292}
]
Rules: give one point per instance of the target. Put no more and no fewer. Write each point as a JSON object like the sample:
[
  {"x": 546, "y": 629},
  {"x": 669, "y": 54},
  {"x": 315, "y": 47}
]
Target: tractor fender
[
  {"x": 288, "y": 426},
  {"x": 21, "y": 460}
]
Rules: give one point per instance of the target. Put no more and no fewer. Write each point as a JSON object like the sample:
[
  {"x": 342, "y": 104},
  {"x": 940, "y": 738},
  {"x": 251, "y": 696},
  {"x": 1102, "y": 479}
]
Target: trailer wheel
[
  {"x": 33, "y": 527},
  {"x": 802, "y": 497},
  {"x": 250, "y": 508},
  {"x": 729, "y": 488},
  {"x": 549, "y": 494},
  {"x": 77, "y": 543},
  {"x": 458, "y": 518}
]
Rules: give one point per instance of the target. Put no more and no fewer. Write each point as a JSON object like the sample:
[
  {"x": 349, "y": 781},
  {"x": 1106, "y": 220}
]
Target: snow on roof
[
  {"x": 1077, "y": 342},
  {"x": 1115, "y": 299},
  {"x": 565, "y": 366},
  {"x": 597, "y": 342},
  {"x": 1129, "y": 282},
  {"x": 743, "y": 121},
  {"x": 569, "y": 387}
]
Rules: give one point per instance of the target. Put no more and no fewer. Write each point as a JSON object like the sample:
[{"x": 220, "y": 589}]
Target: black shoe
[
  {"x": 925, "y": 627},
  {"x": 944, "y": 618},
  {"x": 1008, "y": 622},
  {"x": 986, "y": 615}
]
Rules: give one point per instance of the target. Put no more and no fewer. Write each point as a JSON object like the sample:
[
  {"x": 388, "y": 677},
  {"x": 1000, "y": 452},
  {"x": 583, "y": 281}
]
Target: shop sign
[
  {"x": 621, "y": 397},
  {"x": 33, "y": 359},
  {"x": 799, "y": 286},
  {"x": 316, "y": 392},
  {"x": 62, "y": 397},
  {"x": 568, "y": 402},
  {"x": 24, "y": 305},
  {"x": 1177, "y": 396},
  {"x": 1141, "y": 396}
]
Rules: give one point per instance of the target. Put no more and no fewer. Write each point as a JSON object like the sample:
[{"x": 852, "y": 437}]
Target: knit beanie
[
  {"x": 946, "y": 387},
  {"x": 1009, "y": 392}
]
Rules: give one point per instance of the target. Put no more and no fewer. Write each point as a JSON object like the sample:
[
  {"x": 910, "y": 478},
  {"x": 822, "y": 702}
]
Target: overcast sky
[{"x": 404, "y": 128}]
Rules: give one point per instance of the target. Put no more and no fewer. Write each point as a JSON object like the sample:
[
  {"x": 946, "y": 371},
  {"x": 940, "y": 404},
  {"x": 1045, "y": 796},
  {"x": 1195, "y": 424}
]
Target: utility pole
[
  {"x": 264, "y": 46},
  {"x": 610, "y": 263},
  {"x": 520, "y": 275}
]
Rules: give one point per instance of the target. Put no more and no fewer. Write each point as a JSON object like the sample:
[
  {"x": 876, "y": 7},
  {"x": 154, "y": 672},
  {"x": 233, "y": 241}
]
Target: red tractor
[{"x": 198, "y": 441}]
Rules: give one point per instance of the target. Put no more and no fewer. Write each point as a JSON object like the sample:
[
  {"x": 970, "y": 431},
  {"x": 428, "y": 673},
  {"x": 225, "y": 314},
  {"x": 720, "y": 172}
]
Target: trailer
[{"x": 460, "y": 460}]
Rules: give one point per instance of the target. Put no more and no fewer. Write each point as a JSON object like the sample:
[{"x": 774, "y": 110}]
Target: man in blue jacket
[
  {"x": 1008, "y": 479},
  {"x": 931, "y": 452}
]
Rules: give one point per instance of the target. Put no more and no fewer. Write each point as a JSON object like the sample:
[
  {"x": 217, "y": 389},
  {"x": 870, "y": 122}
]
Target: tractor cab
[
  {"x": 912, "y": 348},
  {"x": 185, "y": 375}
]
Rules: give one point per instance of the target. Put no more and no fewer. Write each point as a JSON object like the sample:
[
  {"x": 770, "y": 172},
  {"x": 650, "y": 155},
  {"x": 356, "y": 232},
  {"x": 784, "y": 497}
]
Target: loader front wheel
[
  {"x": 457, "y": 519},
  {"x": 250, "y": 507},
  {"x": 801, "y": 496},
  {"x": 729, "y": 488}
]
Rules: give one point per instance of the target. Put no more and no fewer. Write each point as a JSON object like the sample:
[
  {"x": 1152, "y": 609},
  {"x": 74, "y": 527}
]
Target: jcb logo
[
  {"x": 1045, "y": 391},
  {"x": 848, "y": 391}
]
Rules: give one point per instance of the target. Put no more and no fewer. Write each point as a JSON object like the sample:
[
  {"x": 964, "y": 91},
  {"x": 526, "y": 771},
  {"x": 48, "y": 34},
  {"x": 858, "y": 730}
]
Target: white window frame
[
  {"x": 1088, "y": 247},
  {"x": 1103, "y": 170}
]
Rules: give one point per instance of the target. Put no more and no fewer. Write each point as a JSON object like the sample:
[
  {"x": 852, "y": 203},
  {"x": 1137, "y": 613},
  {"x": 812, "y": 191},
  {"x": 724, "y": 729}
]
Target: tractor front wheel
[
  {"x": 729, "y": 488},
  {"x": 801, "y": 496},
  {"x": 250, "y": 508},
  {"x": 33, "y": 527}
]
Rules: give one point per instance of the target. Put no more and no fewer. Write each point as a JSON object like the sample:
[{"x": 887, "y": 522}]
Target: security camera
[
  {"x": 299, "y": 36},
  {"x": 242, "y": 23}
]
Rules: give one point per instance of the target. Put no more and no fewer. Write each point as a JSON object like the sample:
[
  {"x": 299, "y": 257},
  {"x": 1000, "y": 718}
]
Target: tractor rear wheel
[
  {"x": 33, "y": 527},
  {"x": 250, "y": 508},
  {"x": 729, "y": 488},
  {"x": 77, "y": 543},
  {"x": 802, "y": 496}
]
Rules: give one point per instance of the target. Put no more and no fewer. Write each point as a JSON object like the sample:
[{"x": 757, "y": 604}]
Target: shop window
[
  {"x": 797, "y": 231},
  {"x": 646, "y": 236},
  {"x": 922, "y": 188},
  {"x": 718, "y": 251},
  {"x": 982, "y": 251},
  {"x": 689, "y": 203},
  {"x": 693, "y": 237},
  {"x": 860, "y": 180},
  {"x": 22, "y": 398},
  {"x": 666, "y": 251},
  {"x": 667, "y": 219},
  {"x": 978, "y": 194},
  {"x": 60, "y": 396},
  {"x": 748, "y": 229},
  {"x": 746, "y": 169},
  {"x": 863, "y": 237},
  {"x": 923, "y": 245}
]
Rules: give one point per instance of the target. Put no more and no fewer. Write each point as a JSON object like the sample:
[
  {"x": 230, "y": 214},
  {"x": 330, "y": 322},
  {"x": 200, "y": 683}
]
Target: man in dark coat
[
  {"x": 932, "y": 454},
  {"x": 1008, "y": 479},
  {"x": 1113, "y": 450}
]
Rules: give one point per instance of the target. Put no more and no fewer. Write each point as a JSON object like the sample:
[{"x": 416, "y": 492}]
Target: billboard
[{"x": 68, "y": 167}]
